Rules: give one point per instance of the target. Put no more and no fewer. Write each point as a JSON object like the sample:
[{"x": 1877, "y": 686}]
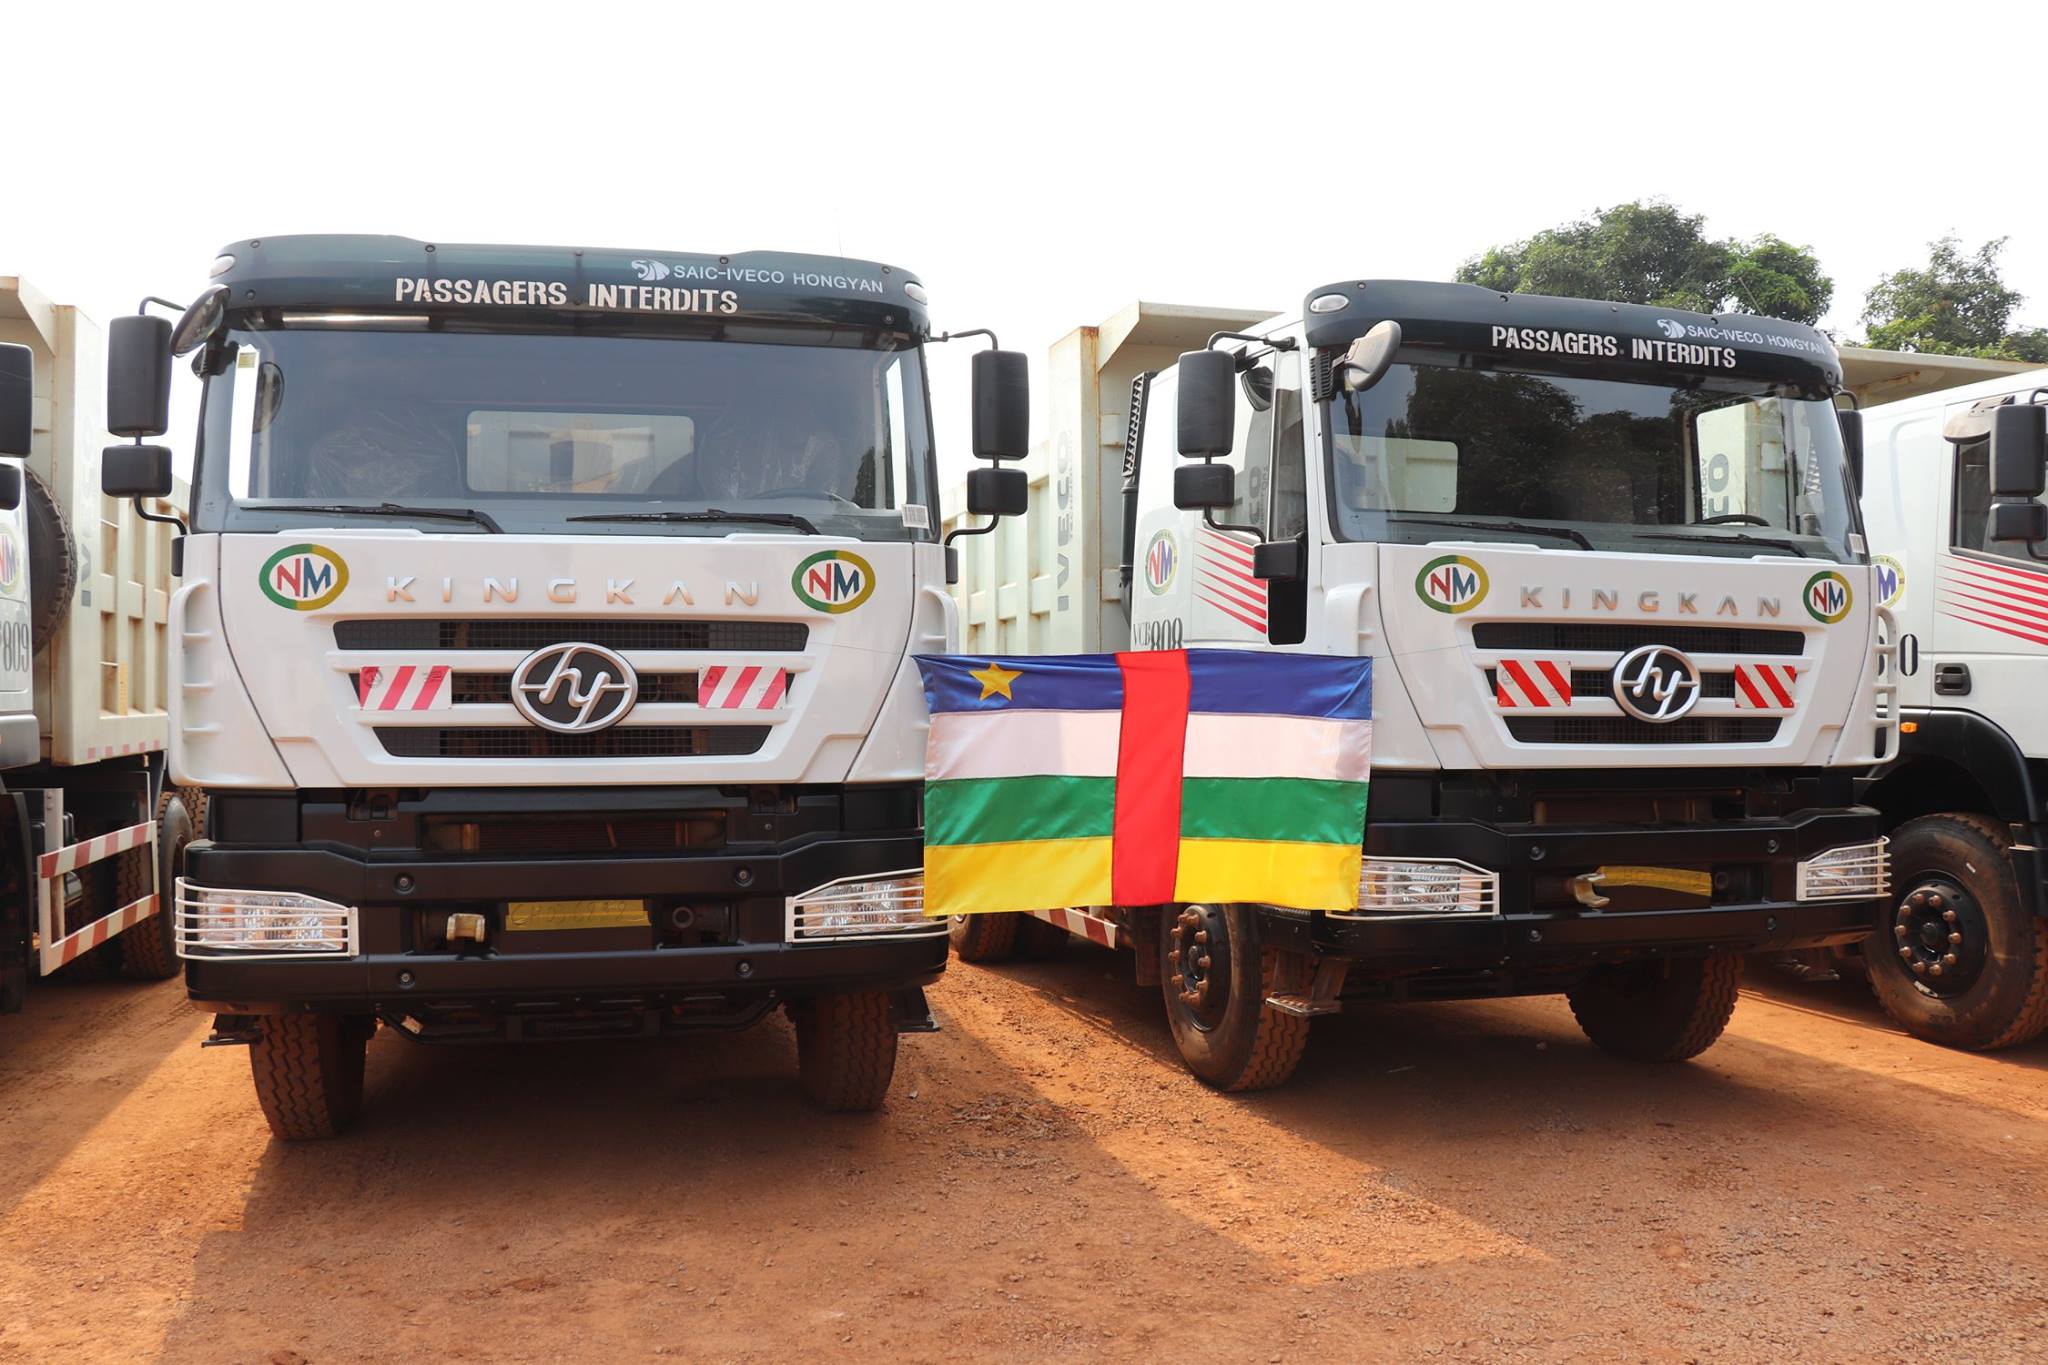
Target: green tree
[
  {"x": 1958, "y": 305},
  {"x": 1649, "y": 252}
]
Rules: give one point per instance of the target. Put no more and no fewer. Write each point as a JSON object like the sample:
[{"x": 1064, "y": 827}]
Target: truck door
[{"x": 1990, "y": 626}]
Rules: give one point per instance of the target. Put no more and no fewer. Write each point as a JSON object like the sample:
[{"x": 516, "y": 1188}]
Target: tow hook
[{"x": 1585, "y": 889}]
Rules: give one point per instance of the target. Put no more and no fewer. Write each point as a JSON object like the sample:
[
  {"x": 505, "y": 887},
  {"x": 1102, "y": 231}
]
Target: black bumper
[
  {"x": 1542, "y": 926},
  {"x": 731, "y": 965}
]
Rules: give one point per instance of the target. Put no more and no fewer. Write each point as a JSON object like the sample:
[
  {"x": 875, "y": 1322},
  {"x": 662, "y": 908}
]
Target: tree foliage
[
  {"x": 1958, "y": 305},
  {"x": 1649, "y": 252}
]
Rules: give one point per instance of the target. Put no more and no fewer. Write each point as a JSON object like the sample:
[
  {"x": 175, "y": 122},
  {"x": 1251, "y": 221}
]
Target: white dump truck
[
  {"x": 543, "y": 646},
  {"x": 1960, "y": 541},
  {"x": 1608, "y": 564},
  {"x": 90, "y": 833}
]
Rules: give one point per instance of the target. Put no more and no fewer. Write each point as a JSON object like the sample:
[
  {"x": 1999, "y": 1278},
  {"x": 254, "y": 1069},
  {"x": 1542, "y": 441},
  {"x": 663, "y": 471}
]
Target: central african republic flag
[{"x": 1145, "y": 779}]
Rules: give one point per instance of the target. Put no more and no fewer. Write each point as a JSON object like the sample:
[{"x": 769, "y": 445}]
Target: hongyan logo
[
  {"x": 304, "y": 577},
  {"x": 1891, "y": 579},
  {"x": 1451, "y": 584},
  {"x": 1161, "y": 558},
  {"x": 1827, "y": 596},
  {"x": 834, "y": 581},
  {"x": 10, "y": 560}
]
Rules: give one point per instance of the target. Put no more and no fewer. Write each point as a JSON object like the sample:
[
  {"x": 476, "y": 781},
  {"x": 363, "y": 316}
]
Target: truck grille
[
  {"x": 1599, "y": 682},
  {"x": 1629, "y": 730},
  {"x": 1621, "y": 637},
  {"x": 623, "y": 741},
  {"x": 733, "y": 636}
]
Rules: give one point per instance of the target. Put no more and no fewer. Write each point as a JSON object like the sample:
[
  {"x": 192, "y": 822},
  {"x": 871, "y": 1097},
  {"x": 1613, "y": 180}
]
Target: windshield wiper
[
  {"x": 789, "y": 519},
  {"x": 1738, "y": 538},
  {"x": 1470, "y": 524},
  {"x": 384, "y": 509}
]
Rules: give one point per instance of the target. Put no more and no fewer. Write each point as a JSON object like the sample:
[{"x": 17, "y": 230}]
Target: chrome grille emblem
[
  {"x": 574, "y": 689},
  {"x": 1656, "y": 683}
]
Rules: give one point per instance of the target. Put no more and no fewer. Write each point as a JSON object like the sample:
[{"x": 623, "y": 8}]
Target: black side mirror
[
  {"x": 1852, "y": 444},
  {"x": 17, "y": 400},
  {"x": 1204, "y": 487},
  {"x": 1205, "y": 411},
  {"x": 138, "y": 376},
  {"x": 136, "y": 471},
  {"x": 1002, "y": 405},
  {"x": 10, "y": 487},
  {"x": 2025, "y": 522},
  {"x": 997, "y": 492},
  {"x": 1281, "y": 561},
  {"x": 2019, "y": 451}
]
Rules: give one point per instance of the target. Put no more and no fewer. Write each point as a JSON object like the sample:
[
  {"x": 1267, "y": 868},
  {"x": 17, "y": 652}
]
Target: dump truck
[
  {"x": 1960, "y": 952},
  {"x": 91, "y": 834},
  {"x": 1627, "y": 666},
  {"x": 543, "y": 647}
]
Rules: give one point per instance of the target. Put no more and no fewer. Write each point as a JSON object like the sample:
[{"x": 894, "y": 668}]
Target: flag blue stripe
[
  {"x": 1244, "y": 682},
  {"x": 1063, "y": 682}
]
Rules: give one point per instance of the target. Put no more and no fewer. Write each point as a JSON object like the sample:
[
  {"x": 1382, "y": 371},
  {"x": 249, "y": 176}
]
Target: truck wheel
[
  {"x": 308, "y": 1070},
  {"x": 52, "y": 562},
  {"x": 846, "y": 1049},
  {"x": 1215, "y": 976},
  {"x": 1663, "y": 1011},
  {"x": 149, "y": 950},
  {"x": 986, "y": 938},
  {"x": 1958, "y": 959}
]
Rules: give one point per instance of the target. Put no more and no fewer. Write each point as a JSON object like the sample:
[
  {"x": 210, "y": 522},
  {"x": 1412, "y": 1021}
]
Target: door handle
[{"x": 1952, "y": 680}]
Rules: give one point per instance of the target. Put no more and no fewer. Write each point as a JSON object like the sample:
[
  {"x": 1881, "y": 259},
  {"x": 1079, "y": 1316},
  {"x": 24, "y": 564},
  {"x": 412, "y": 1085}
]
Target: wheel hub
[
  {"x": 1198, "y": 953},
  {"x": 1939, "y": 934}
]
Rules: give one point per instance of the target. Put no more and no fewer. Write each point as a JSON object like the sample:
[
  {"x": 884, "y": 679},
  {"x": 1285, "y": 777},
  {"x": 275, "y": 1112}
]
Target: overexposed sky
[{"x": 1037, "y": 165}]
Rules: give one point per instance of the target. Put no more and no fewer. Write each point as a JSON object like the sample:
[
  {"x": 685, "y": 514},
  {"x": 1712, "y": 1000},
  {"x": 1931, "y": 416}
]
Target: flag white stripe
[
  {"x": 1223, "y": 745},
  {"x": 1022, "y": 744}
]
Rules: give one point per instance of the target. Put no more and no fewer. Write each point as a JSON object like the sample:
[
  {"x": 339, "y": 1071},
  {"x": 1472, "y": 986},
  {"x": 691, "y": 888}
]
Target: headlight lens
[
  {"x": 220, "y": 922},
  {"x": 1851, "y": 872},
  {"x": 885, "y": 903}
]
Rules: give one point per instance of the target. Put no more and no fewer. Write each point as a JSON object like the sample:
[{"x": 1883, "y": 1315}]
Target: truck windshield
[
  {"x": 1725, "y": 466},
  {"x": 564, "y": 433}
]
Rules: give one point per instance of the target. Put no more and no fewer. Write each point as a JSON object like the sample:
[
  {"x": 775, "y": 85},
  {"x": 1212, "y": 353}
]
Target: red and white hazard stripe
[
  {"x": 753, "y": 688},
  {"x": 88, "y": 851},
  {"x": 1081, "y": 924},
  {"x": 404, "y": 688},
  {"x": 1764, "y": 687},
  {"x": 99, "y": 931},
  {"x": 1532, "y": 683},
  {"x": 99, "y": 751}
]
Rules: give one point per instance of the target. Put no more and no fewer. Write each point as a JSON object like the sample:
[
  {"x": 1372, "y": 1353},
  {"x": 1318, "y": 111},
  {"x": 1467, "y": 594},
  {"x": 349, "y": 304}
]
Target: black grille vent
[
  {"x": 1621, "y": 637},
  {"x": 1599, "y": 682},
  {"x": 473, "y": 689},
  {"x": 403, "y": 633},
  {"x": 1629, "y": 730},
  {"x": 621, "y": 741}
]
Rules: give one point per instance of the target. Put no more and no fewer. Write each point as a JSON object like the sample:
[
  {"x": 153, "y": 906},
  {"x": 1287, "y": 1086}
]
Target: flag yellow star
[{"x": 995, "y": 678}]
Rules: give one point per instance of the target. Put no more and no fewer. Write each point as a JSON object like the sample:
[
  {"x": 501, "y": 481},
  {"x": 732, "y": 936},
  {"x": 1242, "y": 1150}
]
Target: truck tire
[
  {"x": 1215, "y": 975},
  {"x": 1958, "y": 959},
  {"x": 149, "y": 950},
  {"x": 846, "y": 1049},
  {"x": 308, "y": 1070},
  {"x": 52, "y": 562},
  {"x": 1668, "y": 1010},
  {"x": 986, "y": 938}
]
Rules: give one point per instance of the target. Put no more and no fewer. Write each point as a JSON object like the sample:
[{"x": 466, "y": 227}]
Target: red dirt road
[{"x": 1449, "y": 1182}]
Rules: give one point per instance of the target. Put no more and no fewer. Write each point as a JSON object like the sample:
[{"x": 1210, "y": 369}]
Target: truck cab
[
  {"x": 1608, "y": 563},
  {"x": 543, "y": 647}
]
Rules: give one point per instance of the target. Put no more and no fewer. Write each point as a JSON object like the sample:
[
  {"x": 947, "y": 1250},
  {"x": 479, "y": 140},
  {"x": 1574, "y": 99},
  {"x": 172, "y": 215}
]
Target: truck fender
[{"x": 1961, "y": 761}]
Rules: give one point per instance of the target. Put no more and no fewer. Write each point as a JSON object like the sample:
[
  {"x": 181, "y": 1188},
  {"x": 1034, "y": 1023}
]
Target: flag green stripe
[
  {"x": 1289, "y": 809},
  {"x": 999, "y": 810}
]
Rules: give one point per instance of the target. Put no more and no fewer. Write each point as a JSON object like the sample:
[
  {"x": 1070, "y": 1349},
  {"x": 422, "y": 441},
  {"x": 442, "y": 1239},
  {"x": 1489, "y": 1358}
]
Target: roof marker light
[
  {"x": 915, "y": 291},
  {"x": 1328, "y": 303},
  {"x": 221, "y": 266}
]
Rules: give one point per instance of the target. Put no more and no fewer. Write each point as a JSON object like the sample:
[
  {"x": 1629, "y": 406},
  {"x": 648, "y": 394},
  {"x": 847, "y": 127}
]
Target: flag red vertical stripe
[{"x": 1145, "y": 852}]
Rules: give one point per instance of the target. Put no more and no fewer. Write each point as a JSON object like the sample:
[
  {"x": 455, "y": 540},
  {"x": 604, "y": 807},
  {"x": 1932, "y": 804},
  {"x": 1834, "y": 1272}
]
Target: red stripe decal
[
  {"x": 707, "y": 683},
  {"x": 1234, "y": 615},
  {"x": 1778, "y": 688},
  {"x": 399, "y": 681},
  {"x": 1501, "y": 695},
  {"x": 367, "y": 685},
  {"x": 1743, "y": 681},
  {"x": 738, "y": 695},
  {"x": 2025, "y": 617},
  {"x": 1525, "y": 682},
  {"x": 430, "y": 689},
  {"x": 776, "y": 687},
  {"x": 1236, "y": 594},
  {"x": 1210, "y": 540},
  {"x": 2002, "y": 630},
  {"x": 1232, "y": 568},
  {"x": 1559, "y": 679},
  {"x": 1999, "y": 597},
  {"x": 1145, "y": 847}
]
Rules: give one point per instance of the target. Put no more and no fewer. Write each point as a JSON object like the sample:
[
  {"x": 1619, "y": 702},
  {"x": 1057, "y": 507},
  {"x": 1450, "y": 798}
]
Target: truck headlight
[
  {"x": 1851, "y": 872},
  {"x": 885, "y": 903},
  {"x": 215, "y": 922},
  {"x": 1410, "y": 886}
]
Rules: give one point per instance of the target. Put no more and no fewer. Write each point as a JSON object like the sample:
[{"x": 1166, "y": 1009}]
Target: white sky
[{"x": 1037, "y": 165}]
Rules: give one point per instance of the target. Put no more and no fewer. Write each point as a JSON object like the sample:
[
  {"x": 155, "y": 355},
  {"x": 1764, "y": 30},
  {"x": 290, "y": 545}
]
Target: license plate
[{"x": 520, "y": 915}]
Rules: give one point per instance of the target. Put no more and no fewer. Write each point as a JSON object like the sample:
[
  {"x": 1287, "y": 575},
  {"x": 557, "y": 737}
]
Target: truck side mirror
[
  {"x": 1002, "y": 405},
  {"x": 1367, "y": 360},
  {"x": 138, "y": 471},
  {"x": 138, "y": 376},
  {"x": 2019, "y": 451},
  {"x": 1204, "y": 487},
  {"x": 17, "y": 400},
  {"x": 1852, "y": 444},
  {"x": 1281, "y": 561},
  {"x": 2025, "y": 522},
  {"x": 1206, "y": 409},
  {"x": 999, "y": 492}
]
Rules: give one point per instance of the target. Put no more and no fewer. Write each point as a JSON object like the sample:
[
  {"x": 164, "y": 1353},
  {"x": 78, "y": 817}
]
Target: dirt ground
[{"x": 1449, "y": 1182}]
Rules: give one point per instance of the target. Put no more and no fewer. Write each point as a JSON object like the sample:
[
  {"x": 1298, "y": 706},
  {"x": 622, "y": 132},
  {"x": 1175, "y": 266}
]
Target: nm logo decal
[
  {"x": 1891, "y": 579},
  {"x": 1451, "y": 584},
  {"x": 833, "y": 581},
  {"x": 10, "y": 560},
  {"x": 1827, "y": 596},
  {"x": 303, "y": 577}
]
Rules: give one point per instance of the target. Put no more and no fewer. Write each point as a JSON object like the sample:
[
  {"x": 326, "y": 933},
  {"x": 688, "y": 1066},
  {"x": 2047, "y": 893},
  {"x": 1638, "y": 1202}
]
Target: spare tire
[{"x": 52, "y": 562}]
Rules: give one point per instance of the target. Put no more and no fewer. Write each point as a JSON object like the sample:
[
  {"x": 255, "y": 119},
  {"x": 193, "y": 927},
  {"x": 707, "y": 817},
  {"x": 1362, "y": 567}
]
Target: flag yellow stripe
[
  {"x": 1032, "y": 874},
  {"x": 1302, "y": 876}
]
